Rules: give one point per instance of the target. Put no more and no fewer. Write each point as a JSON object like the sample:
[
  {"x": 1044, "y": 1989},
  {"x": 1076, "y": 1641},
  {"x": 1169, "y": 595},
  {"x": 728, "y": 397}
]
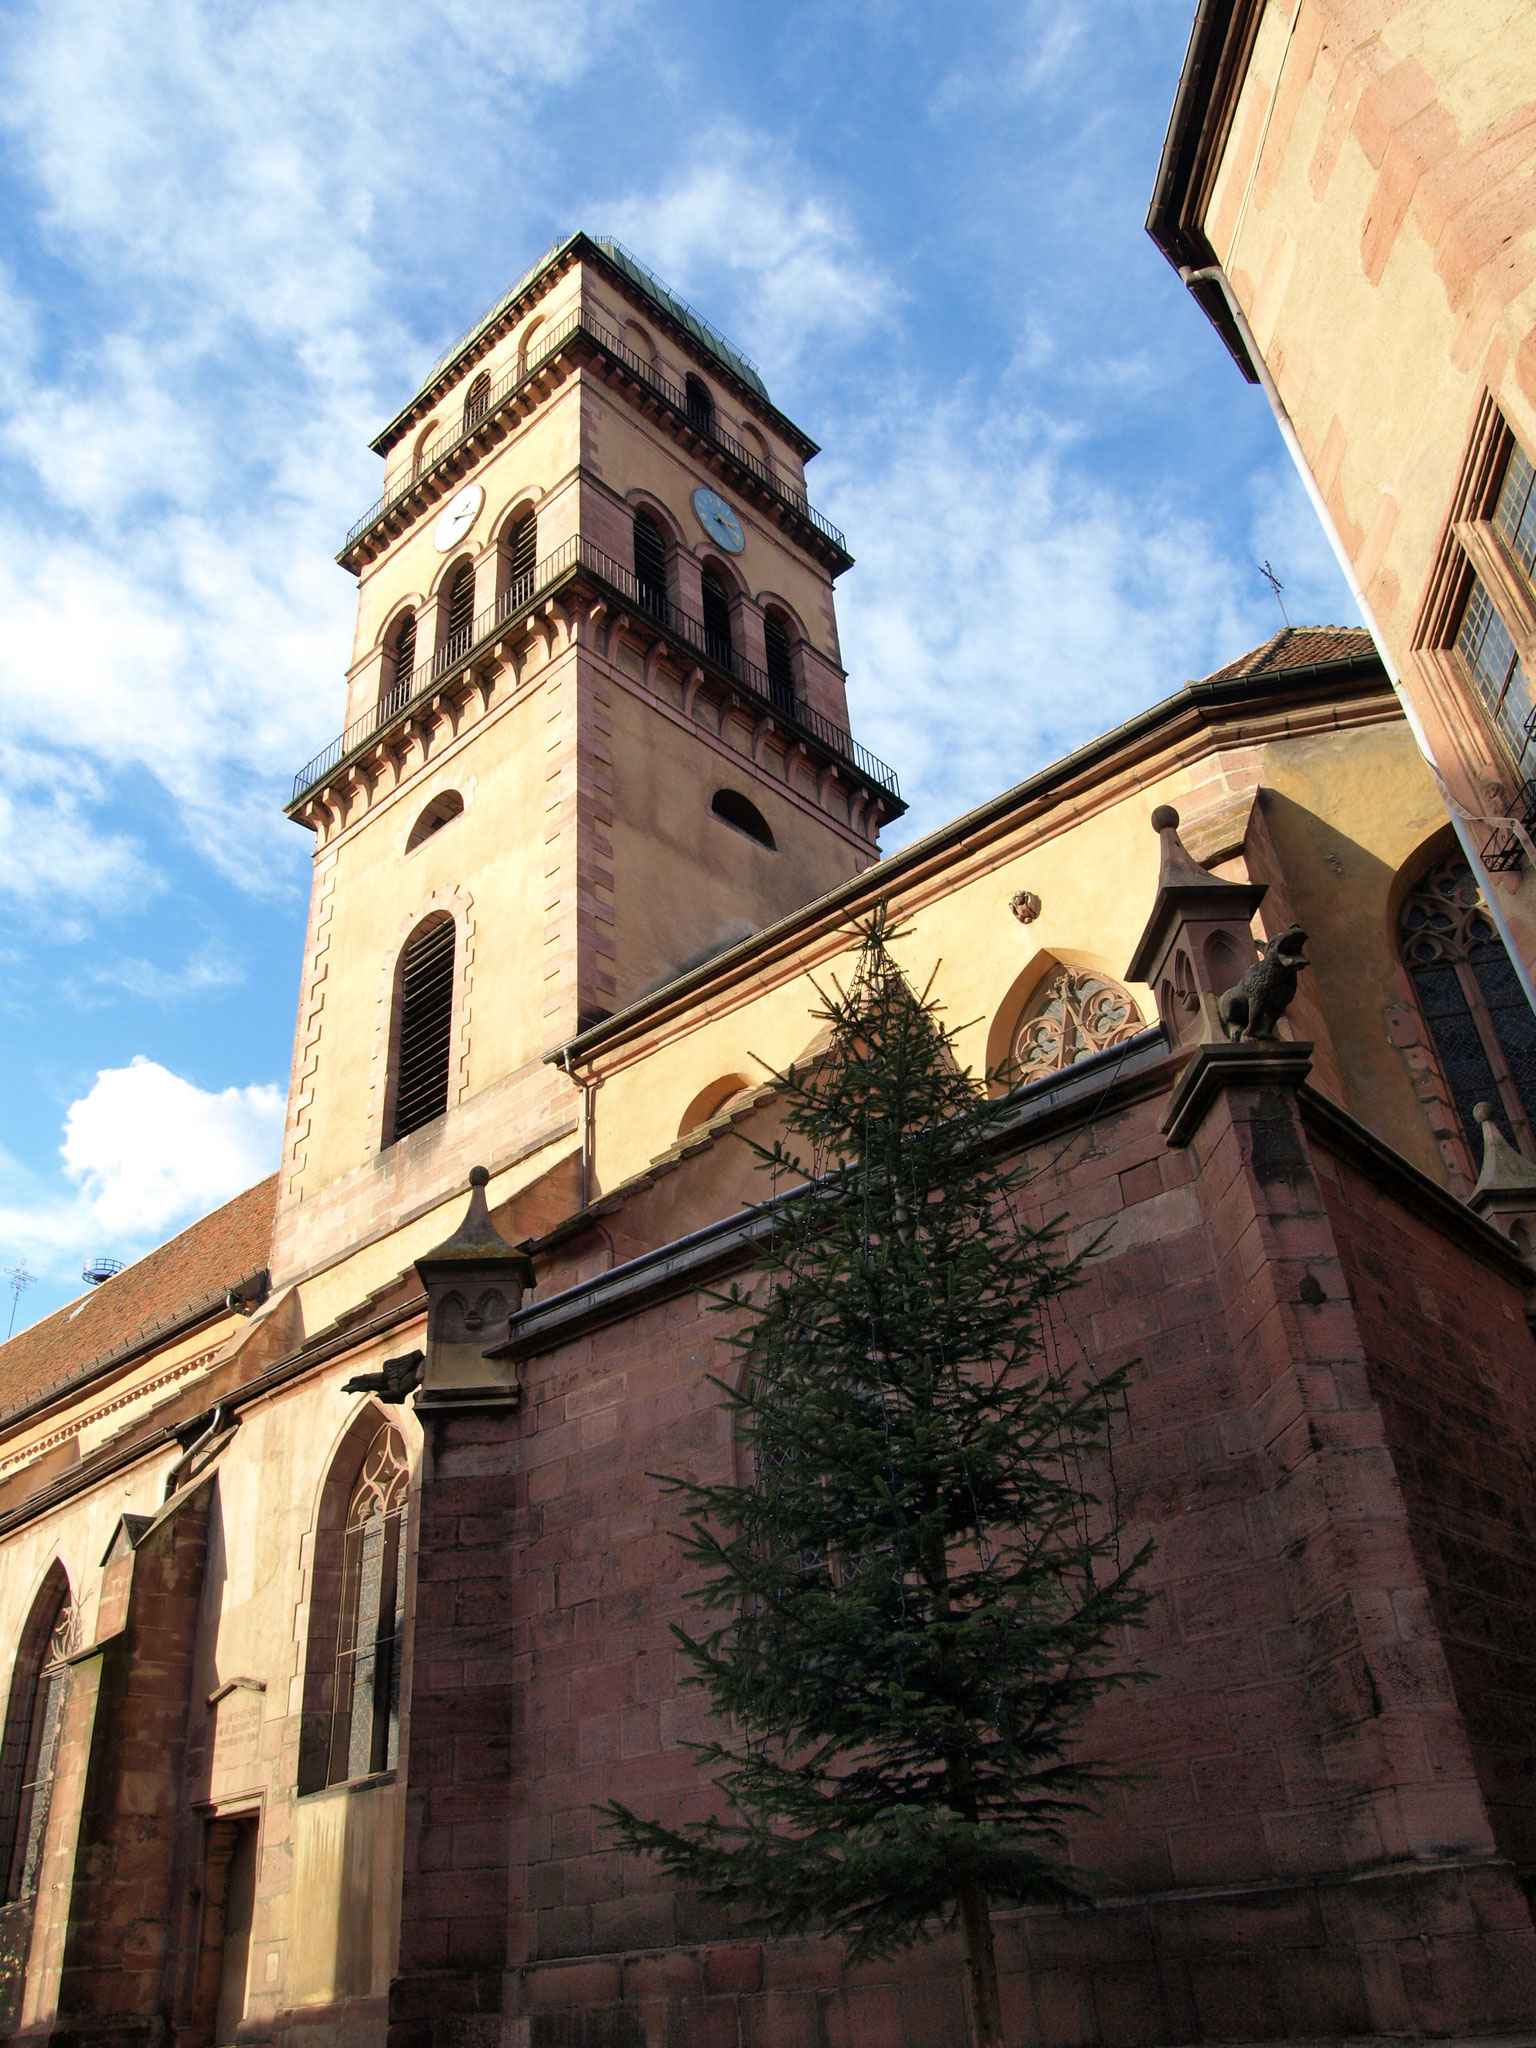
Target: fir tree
[{"x": 916, "y": 1598}]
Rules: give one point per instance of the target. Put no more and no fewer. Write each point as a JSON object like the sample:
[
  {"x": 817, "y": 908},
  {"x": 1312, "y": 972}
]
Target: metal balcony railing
[
  {"x": 550, "y": 343},
  {"x": 1505, "y": 849},
  {"x": 404, "y": 691}
]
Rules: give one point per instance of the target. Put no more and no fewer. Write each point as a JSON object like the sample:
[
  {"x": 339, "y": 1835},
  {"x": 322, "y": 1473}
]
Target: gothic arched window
[
  {"x": 651, "y": 562},
  {"x": 353, "y": 1676},
  {"x": 365, "y": 1712},
  {"x": 717, "y": 618},
  {"x": 701, "y": 406},
  {"x": 425, "y": 1028},
  {"x": 1481, "y": 1024},
  {"x": 781, "y": 667},
  {"x": 476, "y": 400},
  {"x": 1072, "y": 1013},
  {"x": 461, "y": 614},
  {"x": 522, "y": 557},
  {"x": 33, "y": 1720}
]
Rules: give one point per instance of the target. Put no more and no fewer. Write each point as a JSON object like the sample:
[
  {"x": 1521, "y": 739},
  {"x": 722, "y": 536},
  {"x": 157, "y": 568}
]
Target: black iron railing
[
  {"x": 1504, "y": 851},
  {"x": 549, "y": 343},
  {"x": 398, "y": 697}
]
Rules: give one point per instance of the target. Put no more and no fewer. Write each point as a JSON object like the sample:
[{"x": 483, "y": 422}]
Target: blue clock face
[{"x": 719, "y": 521}]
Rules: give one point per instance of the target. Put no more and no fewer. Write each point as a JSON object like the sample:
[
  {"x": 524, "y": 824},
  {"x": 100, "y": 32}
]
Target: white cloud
[
  {"x": 1005, "y": 607},
  {"x": 147, "y": 1149},
  {"x": 52, "y": 852},
  {"x": 225, "y": 197},
  {"x": 741, "y": 222},
  {"x": 209, "y": 967},
  {"x": 145, "y": 1153}
]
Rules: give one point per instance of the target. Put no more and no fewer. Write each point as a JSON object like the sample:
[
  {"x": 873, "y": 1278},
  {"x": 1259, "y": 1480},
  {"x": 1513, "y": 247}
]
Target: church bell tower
[{"x": 595, "y": 731}]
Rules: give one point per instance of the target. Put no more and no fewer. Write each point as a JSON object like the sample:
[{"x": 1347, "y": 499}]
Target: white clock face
[
  {"x": 457, "y": 517},
  {"x": 719, "y": 521}
]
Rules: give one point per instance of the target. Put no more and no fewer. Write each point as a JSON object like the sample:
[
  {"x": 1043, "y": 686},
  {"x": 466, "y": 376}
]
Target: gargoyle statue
[
  {"x": 395, "y": 1378},
  {"x": 1262, "y": 997}
]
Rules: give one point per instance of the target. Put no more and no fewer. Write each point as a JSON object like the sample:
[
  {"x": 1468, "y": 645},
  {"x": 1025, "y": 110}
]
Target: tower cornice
[
  {"x": 577, "y": 571},
  {"x": 628, "y": 277},
  {"x": 580, "y": 340}
]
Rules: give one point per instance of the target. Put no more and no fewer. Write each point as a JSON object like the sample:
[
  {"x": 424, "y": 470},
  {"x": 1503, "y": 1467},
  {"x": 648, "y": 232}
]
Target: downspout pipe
[
  {"x": 1461, "y": 819},
  {"x": 586, "y": 1088}
]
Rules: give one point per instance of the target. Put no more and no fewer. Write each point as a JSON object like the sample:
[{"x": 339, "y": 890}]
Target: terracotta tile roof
[
  {"x": 166, "y": 1287},
  {"x": 1299, "y": 647}
]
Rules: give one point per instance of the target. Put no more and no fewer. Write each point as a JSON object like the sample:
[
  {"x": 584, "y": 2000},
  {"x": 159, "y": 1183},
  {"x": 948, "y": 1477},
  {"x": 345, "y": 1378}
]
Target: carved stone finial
[
  {"x": 474, "y": 1281},
  {"x": 1504, "y": 1169},
  {"x": 1025, "y": 905},
  {"x": 1197, "y": 940},
  {"x": 1506, "y": 1187},
  {"x": 1255, "y": 1004},
  {"x": 477, "y": 1236}
]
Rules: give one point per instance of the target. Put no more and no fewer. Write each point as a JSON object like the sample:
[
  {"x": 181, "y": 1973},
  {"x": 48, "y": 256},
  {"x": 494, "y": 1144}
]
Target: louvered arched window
[
  {"x": 476, "y": 400},
  {"x": 651, "y": 563},
  {"x": 781, "y": 667},
  {"x": 395, "y": 684},
  {"x": 1481, "y": 1024},
  {"x": 717, "y": 618},
  {"x": 523, "y": 556},
  {"x": 33, "y": 1722},
  {"x": 365, "y": 1713},
  {"x": 461, "y": 613},
  {"x": 701, "y": 406},
  {"x": 424, "y": 1032}
]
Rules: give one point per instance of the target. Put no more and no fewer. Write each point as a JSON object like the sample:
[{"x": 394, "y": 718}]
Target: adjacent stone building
[
  {"x": 335, "y": 1588},
  {"x": 1349, "y": 189}
]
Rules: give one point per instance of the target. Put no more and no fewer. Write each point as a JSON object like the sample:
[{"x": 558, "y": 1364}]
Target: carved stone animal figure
[
  {"x": 396, "y": 1378},
  {"x": 1255, "y": 1006}
]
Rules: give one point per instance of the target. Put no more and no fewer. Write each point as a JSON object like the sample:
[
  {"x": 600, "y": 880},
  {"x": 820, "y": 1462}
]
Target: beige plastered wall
[
  {"x": 1359, "y": 797},
  {"x": 685, "y": 882},
  {"x": 329, "y": 1866},
  {"x": 1375, "y": 210},
  {"x": 484, "y": 867}
]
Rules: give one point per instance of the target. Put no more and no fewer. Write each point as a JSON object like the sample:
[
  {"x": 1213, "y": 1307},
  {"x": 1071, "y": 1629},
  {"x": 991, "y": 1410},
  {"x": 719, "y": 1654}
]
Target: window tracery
[
  {"x": 34, "y": 1722},
  {"x": 1479, "y": 1021},
  {"x": 1074, "y": 1012},
  {"x": 365, "y": 1714}
]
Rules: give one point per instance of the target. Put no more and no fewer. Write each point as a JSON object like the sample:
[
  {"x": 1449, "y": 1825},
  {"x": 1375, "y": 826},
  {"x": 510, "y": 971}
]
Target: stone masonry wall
[
  {"x": 1451, "y": 1369},
  {"x": 1305, "y": 1850}
]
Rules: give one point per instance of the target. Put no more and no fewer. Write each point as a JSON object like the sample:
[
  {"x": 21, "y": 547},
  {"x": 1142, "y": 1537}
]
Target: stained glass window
[
  {"x": 1074, "y": 1012},
  {"x": 1481, "y": 1024},
  {"x": 36, "y": 1718},
  {"x": 365, "y": 1720}
]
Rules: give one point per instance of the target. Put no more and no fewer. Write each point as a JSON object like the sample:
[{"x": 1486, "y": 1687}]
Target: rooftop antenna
[
  {"x": 1276, "y": 586},
  {"x": 19, "y": 1278}
]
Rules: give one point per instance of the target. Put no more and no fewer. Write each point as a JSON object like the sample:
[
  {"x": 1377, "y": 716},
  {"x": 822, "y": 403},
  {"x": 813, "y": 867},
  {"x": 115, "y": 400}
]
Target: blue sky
[{"x": 233, "y": 238}]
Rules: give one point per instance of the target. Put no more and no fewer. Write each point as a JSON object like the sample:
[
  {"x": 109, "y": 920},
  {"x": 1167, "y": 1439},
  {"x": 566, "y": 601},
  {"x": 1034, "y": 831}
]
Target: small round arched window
[
  {"x": 736, "y": 810},
  {"x": 434, "y": 817}
]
